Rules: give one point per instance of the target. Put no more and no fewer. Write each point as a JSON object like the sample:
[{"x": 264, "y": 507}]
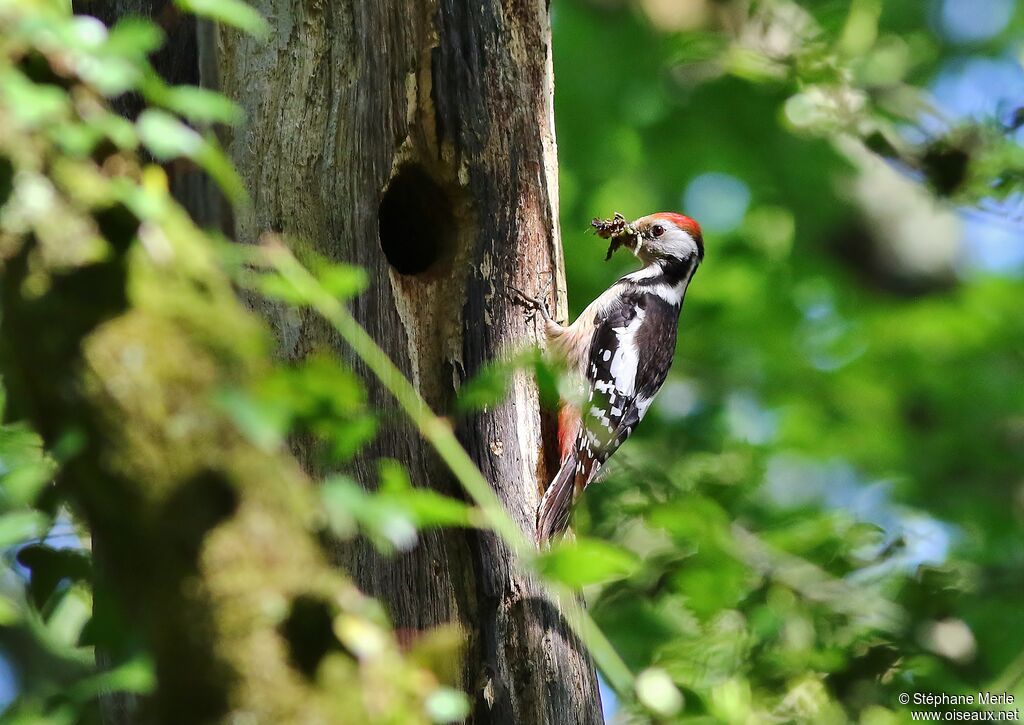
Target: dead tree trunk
[{"x": 415, "y": 138}]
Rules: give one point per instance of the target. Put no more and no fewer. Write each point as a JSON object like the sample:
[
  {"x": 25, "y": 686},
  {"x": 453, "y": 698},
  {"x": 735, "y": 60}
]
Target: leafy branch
[{"x": 301, "y": 286}]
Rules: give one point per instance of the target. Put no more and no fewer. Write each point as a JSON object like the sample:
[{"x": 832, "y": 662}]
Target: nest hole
[
  {"x": 309, "y": 632},
  {"x": 416, "y": 223}
]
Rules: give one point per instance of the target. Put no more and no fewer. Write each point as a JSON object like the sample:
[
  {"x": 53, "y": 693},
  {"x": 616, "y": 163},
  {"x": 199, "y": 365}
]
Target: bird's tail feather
[{"x": 555, "y": 506}]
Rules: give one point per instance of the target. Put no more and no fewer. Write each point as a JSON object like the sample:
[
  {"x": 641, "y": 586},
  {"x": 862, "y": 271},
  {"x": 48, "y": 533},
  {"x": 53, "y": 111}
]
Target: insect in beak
[{"x": 620, "y": 232}]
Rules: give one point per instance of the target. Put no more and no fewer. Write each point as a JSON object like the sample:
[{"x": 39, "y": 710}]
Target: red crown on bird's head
[{"x": 687, "y": 224}]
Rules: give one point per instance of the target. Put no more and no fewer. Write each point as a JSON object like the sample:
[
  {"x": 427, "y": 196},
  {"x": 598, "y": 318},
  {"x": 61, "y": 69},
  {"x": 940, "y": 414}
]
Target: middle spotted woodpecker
[{"x": 622, "y": 346}]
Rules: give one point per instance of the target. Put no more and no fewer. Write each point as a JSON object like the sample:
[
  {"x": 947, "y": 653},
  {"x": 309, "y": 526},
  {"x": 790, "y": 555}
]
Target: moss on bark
[{"x": 206, "y": 541}]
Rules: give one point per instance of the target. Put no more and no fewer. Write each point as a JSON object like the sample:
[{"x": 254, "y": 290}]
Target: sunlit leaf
[
  {"x": 166, "y": 137},
  {"x": 10, "y": 613},
  {"x": 263, "y": 422},
  {"x": 119, "y": 130},
  {"x": 487, "y": 388},
  {"x": 111, "y": 75},
  {"x": 32, "y": 105},
  {"x": 134, "y": 37},
  {"x": 24, "y": 466},
  {"x": 75, "y": 139},
  {"x": 70, "y": 615},
  {"x": 199, "y": 105},
  {"x": 215, "y": 162},
  {"x": 17, "y": 527},
  {"x": 346, "y": 437},
  {"x": 273, "y": 285},
  {"x": 426, "y": 508},
  {"x": 342, "y": 497},
  {"x": 657, "y": 692},
  {"x": 447, "y": 705},
  {"x": 134, "y": 676},
  {"x": 359, "y": 635},
  {"x": 388, "y": 524},
  {"x": 586, "y": 561},
  {"x": 394, "y": 479},
  {"x": 430, "y": 509},
  {"x": 341, "y": 280},
  {"x": 230, "y": 12},
  {"x": 440, "y": 650}
]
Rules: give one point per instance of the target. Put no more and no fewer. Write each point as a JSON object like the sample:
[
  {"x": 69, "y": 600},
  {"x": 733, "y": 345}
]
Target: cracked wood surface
[{"x": 340, "y": 98}]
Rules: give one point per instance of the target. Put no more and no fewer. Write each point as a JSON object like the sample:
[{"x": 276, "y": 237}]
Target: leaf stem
[{"x": 438, "y": 433}]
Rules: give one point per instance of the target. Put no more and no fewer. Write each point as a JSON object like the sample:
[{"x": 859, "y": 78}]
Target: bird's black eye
[{"x": 657, "y": 230}]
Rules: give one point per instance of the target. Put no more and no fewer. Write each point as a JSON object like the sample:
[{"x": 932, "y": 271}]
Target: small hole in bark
[
  {"x": 6, "y": 179},
  {"x": 119, "y": 226},
  {"x": 310, "y": 633},
  {"x": 416, "y": 222},
  {"x": 197, "y": 507}
]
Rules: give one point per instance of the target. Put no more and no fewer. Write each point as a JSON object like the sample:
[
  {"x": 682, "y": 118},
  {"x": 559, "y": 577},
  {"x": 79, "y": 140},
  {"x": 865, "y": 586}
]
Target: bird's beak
[
  {"x": 634, "y": 243},
  {"x": 631, "y": 239}
]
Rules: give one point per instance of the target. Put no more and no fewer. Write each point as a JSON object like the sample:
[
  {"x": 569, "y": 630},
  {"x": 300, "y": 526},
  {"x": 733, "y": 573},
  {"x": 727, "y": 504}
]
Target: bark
[
  {"x": 415, "y": 138},
  {"x": 205, "y": 541}
]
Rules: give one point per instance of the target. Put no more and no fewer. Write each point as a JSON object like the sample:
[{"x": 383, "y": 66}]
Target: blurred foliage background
[
  {"x": 823, "y": 509},
  {"x": 828, "y": 495}
]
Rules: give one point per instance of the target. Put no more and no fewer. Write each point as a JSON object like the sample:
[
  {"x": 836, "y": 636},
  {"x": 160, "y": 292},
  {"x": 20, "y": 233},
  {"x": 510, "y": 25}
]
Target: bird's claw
[{"x": 532, "y": 304}]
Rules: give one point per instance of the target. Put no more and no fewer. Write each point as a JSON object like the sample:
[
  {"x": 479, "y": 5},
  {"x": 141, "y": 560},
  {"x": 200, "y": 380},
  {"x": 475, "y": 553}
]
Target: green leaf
[
  {"x": 24, "y": 466},
  {"x": 83, "y": 32},
  {"x": 166, "y": 137},
  {"x": 425, "y": 508},
  {"x": 70, "y": 615},
  {"x": 341, "y": 280},
  {"x": 586, "y": 561},
  {"x": 10, "y": 613},
  {"x": 111, "y": 75},
  {"x": 322, "y": 385},
  {"x": 341, "y": 496},
  {"x": 346, "y": 437},
  {"x": 219, "y": 167},
  {"x": 75, "y": 139},
  {"x": 393, "y": 477},
  {"x": 30, "y": 104},
  {"x": 388, "y": 526},
  {"x": 134, "y": 37},
  {"x": 487, "y": 388},
  {"x": 275, "y": 286},
  {"x": 264, "y": 423},
  {"x": 230, "y": 12},
  {"x": 199, "y": 105},
  {"x": 552, "y": 379},
  {"x": 17, "y": 527},
  {"x": 657, "y": 692},
  {"x": 118, "y": 129},
  {"x": 429, "y": 509},
  {"x": 136, "y": 675},
  {"x": 392, "y": 515},
  {"x": 445, "y": 705}
]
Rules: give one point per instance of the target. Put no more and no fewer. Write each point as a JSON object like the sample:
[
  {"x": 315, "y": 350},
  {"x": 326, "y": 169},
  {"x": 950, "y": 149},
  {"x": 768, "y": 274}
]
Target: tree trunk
[
  {"x": 416, "y": 139},
  {"x": 205, "y": 543}
]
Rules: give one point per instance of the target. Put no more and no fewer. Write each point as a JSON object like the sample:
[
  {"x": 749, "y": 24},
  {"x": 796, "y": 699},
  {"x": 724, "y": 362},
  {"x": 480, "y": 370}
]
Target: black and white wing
[{"x": 629, "y": 360}]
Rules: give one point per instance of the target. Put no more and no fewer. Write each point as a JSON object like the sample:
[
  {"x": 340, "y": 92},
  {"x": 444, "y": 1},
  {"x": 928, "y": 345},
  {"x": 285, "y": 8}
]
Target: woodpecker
[{"x": 621, "y": 346}]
